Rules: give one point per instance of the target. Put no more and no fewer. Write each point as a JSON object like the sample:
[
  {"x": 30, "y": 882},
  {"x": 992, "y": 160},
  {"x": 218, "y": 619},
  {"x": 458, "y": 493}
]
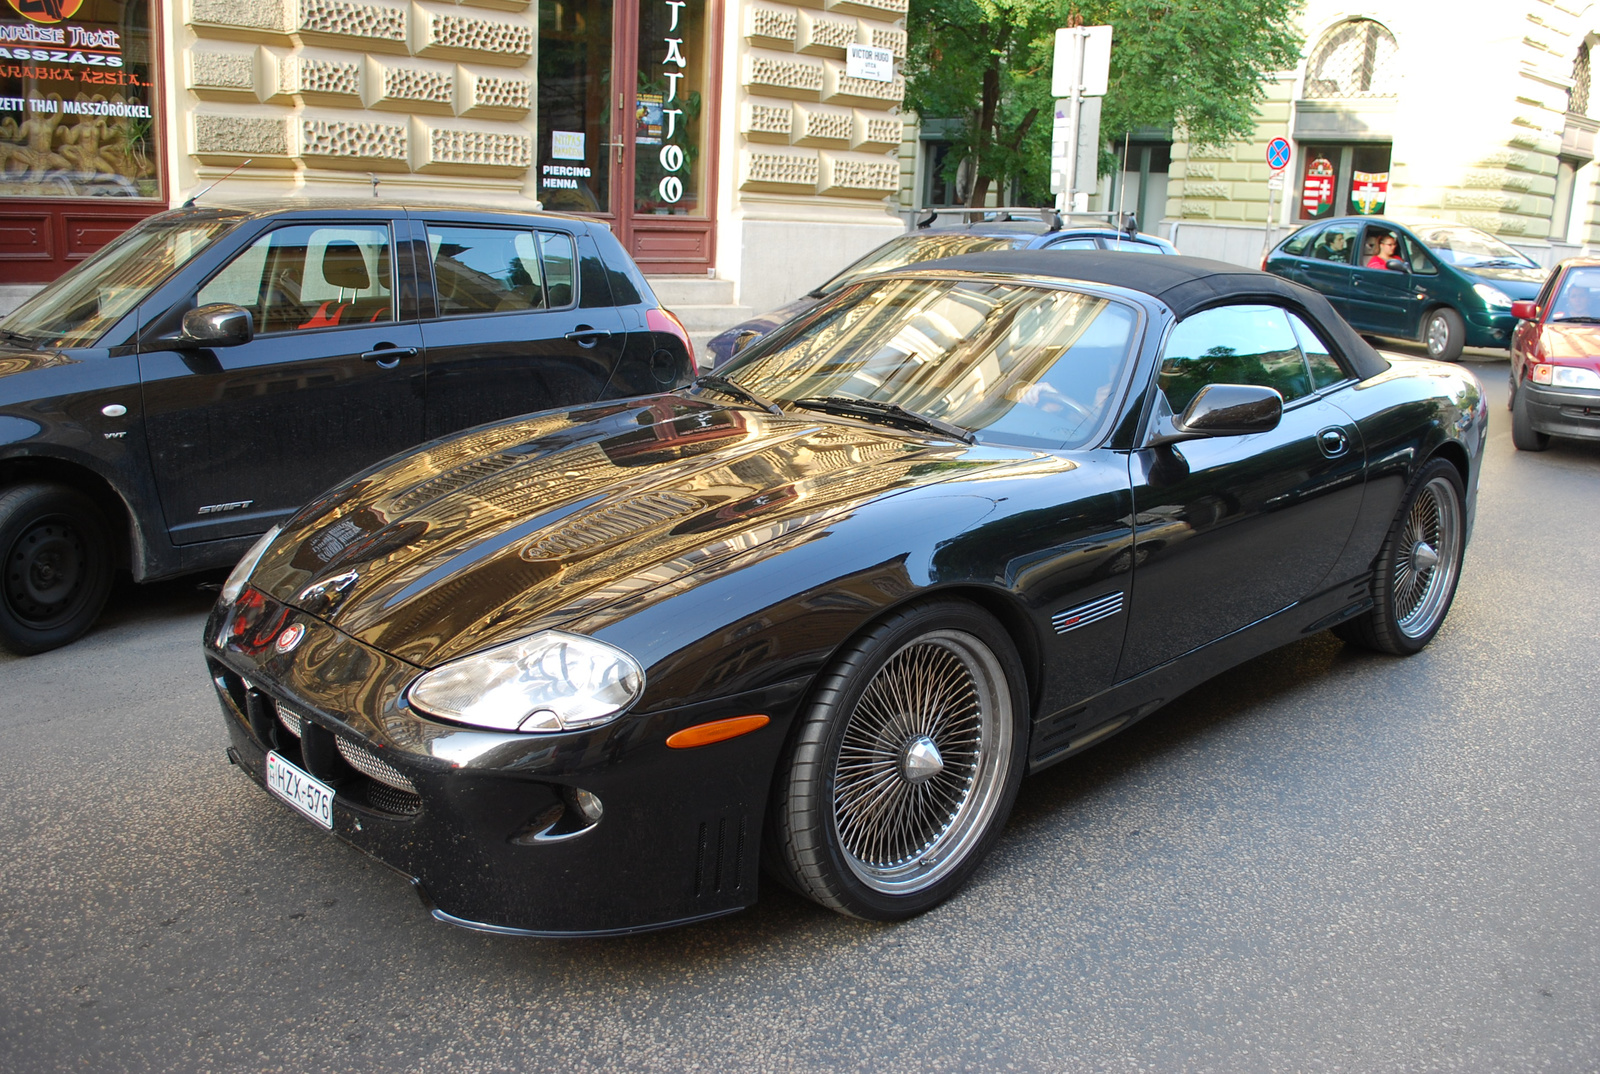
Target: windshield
[
  {"x": 1468, "y": 247},
  {"x": 1015, "y": 363},
  {"x": 76, "y": 309},
  {"x": 921, "y": 246},
  {"x": 1579, "y": 297}
]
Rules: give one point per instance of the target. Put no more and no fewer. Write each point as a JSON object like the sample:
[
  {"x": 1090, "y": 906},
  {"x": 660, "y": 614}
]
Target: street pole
[{"x": 1064, "y": 200}]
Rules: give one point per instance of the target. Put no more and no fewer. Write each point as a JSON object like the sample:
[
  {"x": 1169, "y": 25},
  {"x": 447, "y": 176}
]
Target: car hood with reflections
[
  {"x": 1515, "y": 282},
  {"x": 1563, "y": 342},
  {"x": 488, "y": 536}
]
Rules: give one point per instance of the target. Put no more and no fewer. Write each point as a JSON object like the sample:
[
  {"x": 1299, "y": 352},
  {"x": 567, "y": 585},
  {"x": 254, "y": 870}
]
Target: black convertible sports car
[{"x": 581, "y": 672}]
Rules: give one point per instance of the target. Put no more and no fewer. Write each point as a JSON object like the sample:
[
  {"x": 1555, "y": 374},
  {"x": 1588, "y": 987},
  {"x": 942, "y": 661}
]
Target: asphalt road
[{"x": 1322, "y": 861}]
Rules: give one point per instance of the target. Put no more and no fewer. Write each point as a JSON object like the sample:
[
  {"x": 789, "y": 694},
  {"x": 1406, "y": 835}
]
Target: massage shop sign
[{"x": 76, "y": 95}]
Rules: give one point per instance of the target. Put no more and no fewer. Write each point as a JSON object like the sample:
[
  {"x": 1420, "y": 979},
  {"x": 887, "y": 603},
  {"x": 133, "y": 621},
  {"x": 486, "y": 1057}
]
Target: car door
[
  {"x": 1231, "y": 529},
  {"x": 1328, "y": 264},
  {"x": 524, "y": 321},
  {"x": 331, "y": 381},
  {"x": 1383, "y": 299}
]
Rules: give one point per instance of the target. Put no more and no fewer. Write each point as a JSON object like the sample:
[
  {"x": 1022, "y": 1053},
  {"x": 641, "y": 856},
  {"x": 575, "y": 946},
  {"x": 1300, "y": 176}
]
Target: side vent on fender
[{"x": 1084, "y": 614}]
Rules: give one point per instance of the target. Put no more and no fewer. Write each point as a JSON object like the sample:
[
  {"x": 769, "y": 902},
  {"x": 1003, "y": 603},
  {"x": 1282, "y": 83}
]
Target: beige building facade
[
  {"x": 1476, "y": 112},
  {"x": 725, "y": 140}
]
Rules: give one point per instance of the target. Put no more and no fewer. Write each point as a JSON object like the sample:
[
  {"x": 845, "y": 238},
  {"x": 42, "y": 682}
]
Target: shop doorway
[{"x": 627, "y": 121}]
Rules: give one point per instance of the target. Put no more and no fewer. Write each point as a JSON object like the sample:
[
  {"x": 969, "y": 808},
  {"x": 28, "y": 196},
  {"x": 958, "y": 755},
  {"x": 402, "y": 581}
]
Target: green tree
[{"x": 1196, "y": 66}]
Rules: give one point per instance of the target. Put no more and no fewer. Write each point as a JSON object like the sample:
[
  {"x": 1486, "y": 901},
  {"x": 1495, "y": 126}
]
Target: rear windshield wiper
[
  {"x": 735, "y": 389},
  {"x": 871, "y": 408}
]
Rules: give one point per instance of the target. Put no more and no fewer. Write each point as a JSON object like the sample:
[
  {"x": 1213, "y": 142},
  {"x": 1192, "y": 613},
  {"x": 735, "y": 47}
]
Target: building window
[
  {"x": 1354, "y": 59},
  {"x": 78, "y": 100},
  {"x": 1344, "y": 180},
  {"x": 1578, "y": 99}
]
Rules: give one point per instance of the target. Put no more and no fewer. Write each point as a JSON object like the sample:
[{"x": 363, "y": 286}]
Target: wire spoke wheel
[
  {"x": 1427, "y": 557},
  {"x": 922, "y": 762}
]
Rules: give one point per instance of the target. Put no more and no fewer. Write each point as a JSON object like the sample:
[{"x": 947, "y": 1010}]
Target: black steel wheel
[
  {"x": 55, "y": 566},
  {"x": 905, "y": 764},
  {"x": 1418, "y": 567},
  {"x": 1524, "y": 437},
  {"x": 1445, "y": 334}
]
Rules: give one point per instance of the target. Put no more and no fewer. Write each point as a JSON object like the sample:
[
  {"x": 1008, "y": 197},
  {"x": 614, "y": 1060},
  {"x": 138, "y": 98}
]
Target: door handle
[
  {"x": 388, "y": 357},
  {"x": 584, "y": 336},
  {"x": 619, "y": 146},
  {"x": 1333, "y": 442}
]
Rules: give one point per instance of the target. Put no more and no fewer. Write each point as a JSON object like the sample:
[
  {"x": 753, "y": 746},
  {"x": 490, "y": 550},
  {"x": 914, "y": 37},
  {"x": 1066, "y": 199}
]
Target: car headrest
[{"x": 343, "y": 265}]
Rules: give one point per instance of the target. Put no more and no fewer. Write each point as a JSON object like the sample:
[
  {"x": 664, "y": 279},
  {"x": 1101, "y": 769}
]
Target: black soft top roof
[{"x": 1186, "y": 285}]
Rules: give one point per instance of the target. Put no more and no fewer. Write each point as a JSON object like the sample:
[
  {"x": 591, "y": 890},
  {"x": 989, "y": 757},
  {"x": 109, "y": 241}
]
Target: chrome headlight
[
  {"x": 549, "y": 682},
  {"x": 1492, "y": 295},
  {"x": 247, "y": 563}
]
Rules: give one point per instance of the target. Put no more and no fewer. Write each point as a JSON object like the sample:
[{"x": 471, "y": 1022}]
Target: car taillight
[{"x": 660, "y": 320}]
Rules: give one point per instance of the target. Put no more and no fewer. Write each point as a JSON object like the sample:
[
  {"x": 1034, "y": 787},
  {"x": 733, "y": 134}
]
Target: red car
[{"x": 1555, "y": 358}]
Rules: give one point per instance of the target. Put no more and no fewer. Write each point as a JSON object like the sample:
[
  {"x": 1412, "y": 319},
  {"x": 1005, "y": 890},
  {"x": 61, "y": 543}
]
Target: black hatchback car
[{"x": 213, "y": 369}]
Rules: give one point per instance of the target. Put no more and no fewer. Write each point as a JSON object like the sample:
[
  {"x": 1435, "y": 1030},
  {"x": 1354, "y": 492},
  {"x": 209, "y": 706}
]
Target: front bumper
[
  {"x": 490, "y": 836},
  {"x": 1490, "y": 328},
  {"x": 1562, "y": 411}
]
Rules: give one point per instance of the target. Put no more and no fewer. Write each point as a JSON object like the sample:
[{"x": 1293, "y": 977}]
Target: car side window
[
  {"x": 1335, "y": 243},
  {"x": 1417, "y": 257},
  {"x": 1301, "y": 239},
  {"x": 1543, "y": 301},
  {"x": 1074, "y": 244},
  {"x": 310, "y": 276},
  {"x": 555, "y": 249},
  {"x": 1233, "y": 345},
  {"x": 1325, "y": 368},
  {"x": 1132, "y": 246},
  {"x": 485, "y": 270}
]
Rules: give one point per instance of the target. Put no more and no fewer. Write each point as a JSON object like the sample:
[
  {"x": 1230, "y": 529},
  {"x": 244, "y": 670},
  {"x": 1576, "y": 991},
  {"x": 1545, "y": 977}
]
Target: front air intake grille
[
  {"x": 389, "y": 800},
  {"x": 374, "y": 767},
  {"x": 292, "y": 721}
]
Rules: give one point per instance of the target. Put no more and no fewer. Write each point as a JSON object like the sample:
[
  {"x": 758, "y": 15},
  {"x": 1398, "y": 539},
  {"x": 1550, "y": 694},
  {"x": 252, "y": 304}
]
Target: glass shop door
[{"x": 636, "y": 151}]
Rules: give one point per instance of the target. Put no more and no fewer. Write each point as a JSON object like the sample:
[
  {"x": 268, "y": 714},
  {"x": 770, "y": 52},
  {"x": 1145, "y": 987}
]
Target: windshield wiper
[
  {"x": 1578, "y": 320},
  {"x": 16, "y": 337},
  {"x": 871, "y": 408},
  {"x": 1502, "y": 262},
  {"x": 735, "y": 389}
]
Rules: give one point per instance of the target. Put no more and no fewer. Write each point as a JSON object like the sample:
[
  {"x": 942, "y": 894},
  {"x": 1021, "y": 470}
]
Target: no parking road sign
[{"x": 1278, "y": 154}]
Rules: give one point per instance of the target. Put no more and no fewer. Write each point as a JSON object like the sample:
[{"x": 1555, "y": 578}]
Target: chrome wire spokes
[
  {"x": 922, "y": 761},
  {"x": 1427, "y": 559}
]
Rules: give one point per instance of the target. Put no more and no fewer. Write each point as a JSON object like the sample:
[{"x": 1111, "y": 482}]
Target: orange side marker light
[{"x": 704, "y": 734}]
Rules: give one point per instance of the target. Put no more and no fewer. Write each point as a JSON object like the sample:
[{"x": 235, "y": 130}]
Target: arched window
[
  {"x": 1354, "y": 59},
  {"x": 1578, "y": 100}
]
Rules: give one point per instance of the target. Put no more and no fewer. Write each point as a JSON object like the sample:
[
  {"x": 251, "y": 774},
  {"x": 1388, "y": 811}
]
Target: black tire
[
  {"x": 55, "y": 566},
  {"x": 880, "y": 813},
  {"x": 1523, "y": 435},
  {"x": 1418, "y": 567},
  {"x": 1444, "y": 333}
]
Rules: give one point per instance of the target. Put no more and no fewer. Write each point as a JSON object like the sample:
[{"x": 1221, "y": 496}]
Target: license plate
[{"x": 300, "y": 789}]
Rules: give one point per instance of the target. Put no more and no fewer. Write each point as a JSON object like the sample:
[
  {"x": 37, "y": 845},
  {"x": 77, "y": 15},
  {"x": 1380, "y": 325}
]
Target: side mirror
[
  {"x": 221, "y": 324},
  {"x": 1394, "y": 264},
  {"x": 1224, "y": 410},
  {"x": 1523, "y": 310}
]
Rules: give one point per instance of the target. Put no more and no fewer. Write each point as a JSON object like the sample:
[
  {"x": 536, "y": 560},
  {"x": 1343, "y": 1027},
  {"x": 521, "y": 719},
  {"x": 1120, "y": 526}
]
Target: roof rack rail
[{"x": 1121, "y": 220}]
